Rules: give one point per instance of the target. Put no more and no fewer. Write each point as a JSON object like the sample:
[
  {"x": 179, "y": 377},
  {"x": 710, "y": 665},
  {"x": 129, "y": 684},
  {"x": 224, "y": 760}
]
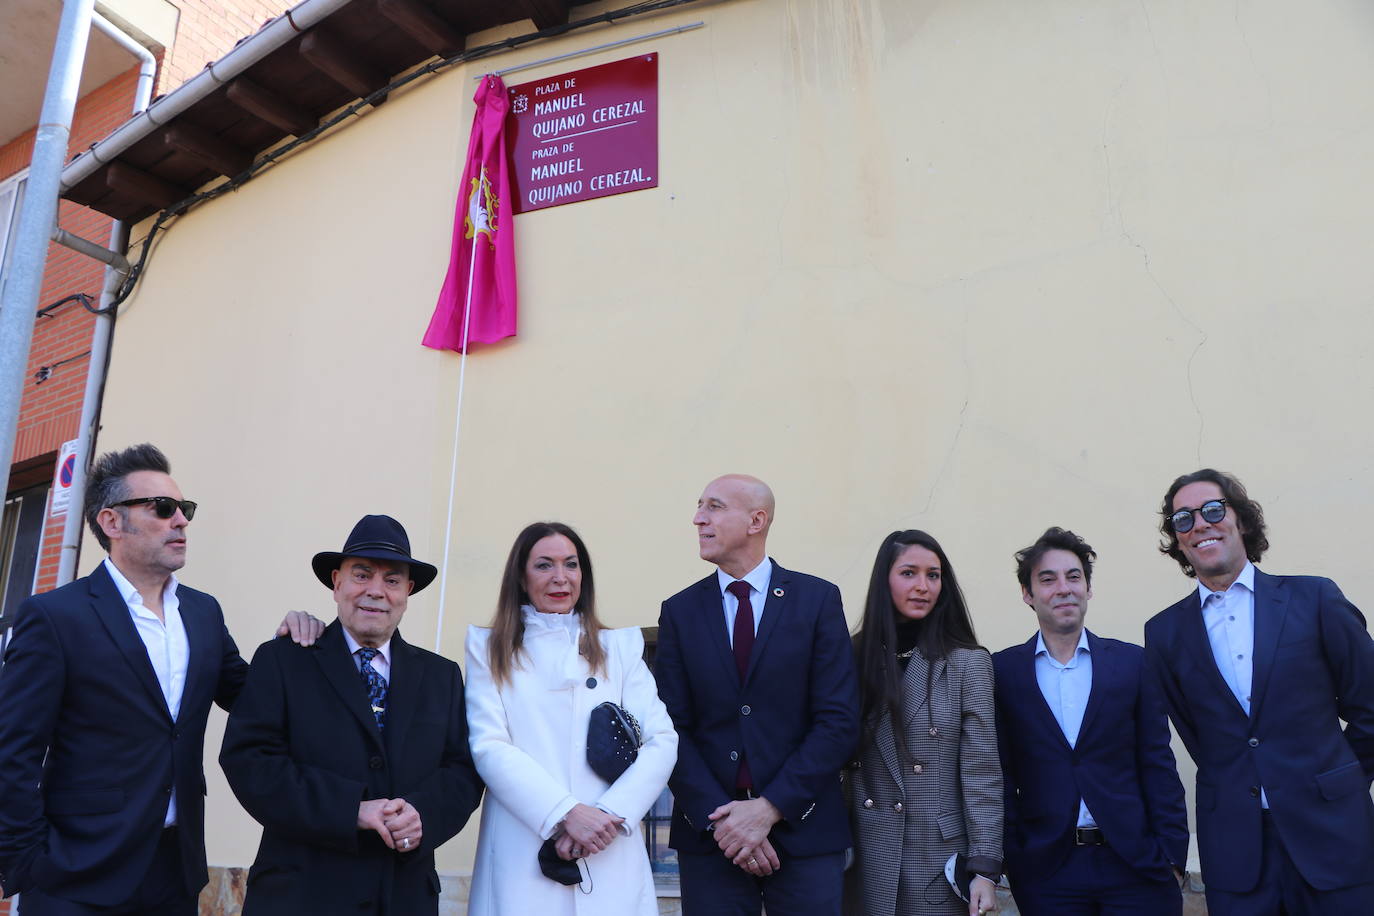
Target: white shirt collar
[
  {"x": 384, "y": 650},
  {"x": 571, "y": 621},
  {"x": 1246, "y": 579},
  {"x": 757, "y": 577},
  {"x": 129, "y": 593},
  {"x": 1042, "y": 649}
]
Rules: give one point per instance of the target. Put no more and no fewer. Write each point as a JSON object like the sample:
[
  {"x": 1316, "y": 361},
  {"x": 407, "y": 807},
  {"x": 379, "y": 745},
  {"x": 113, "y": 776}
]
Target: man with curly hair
[{"x": 1258, "y": 672}]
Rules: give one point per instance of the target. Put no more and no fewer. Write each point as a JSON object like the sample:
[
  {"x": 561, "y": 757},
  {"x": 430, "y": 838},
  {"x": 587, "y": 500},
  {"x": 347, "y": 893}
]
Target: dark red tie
[
  {"x": 744, "y": 644},
  {"x": 744, "y": 627}
]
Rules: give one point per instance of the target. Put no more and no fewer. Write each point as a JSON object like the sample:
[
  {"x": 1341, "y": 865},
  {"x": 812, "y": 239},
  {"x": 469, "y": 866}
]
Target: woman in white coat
[{"x": 533, "y": 679}]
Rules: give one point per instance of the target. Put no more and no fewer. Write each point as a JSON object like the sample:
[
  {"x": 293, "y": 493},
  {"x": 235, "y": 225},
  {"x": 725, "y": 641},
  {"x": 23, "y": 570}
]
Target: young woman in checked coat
[{"x": 931, "y": 786}]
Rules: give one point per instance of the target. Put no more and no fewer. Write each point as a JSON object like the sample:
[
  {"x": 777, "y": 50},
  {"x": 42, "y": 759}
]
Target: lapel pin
[
  {"x": 778, "y": 593},
  {"x": 377, "y": 709}
]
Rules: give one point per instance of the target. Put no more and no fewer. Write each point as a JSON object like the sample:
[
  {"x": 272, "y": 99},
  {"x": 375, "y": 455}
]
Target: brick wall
[{"x": 207, "y": 30}]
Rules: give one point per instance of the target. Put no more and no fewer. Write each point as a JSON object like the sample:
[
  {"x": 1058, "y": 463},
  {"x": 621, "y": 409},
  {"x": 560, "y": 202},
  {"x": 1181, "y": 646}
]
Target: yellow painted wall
[{"x": 977, "y": 267}]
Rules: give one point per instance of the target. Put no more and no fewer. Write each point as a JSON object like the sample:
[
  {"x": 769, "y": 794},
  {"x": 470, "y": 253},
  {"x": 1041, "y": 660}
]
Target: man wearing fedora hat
[{"x": 353, "y": 753}]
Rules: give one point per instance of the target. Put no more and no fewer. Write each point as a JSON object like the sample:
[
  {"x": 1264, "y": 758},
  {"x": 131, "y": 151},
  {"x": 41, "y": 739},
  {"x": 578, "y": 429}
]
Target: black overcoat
[{"x": 302, "y": 750}]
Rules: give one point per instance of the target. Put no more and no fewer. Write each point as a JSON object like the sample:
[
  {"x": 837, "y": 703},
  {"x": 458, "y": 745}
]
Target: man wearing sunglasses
[
  {"x": 1259, "y": 672},
  {"x": 104, "y": 697}
]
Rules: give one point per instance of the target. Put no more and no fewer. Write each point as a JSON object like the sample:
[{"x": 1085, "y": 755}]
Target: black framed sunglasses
[
  {"x": 1212, "y": 511},
  {"x": 163, "y": 506}
]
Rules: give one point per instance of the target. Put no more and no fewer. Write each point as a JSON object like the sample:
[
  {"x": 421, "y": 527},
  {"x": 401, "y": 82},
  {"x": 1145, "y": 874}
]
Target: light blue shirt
[
  {"x": 758, "y": 579},
  {"x": 1230, "y": 620},
  {"x": 1066, "y": 688}
]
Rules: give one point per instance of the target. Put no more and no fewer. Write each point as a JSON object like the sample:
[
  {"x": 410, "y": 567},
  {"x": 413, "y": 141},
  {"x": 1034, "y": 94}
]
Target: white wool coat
[{"x": 529, "y": 741}]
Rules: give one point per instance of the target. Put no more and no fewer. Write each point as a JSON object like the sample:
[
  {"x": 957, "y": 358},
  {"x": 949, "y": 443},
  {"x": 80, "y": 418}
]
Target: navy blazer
[
  {"x": 302, "y": 749},
  {"x": 1121, "y": 766},
  {"x": 78, "y": 686},
  {"x": 1313, "y": 664},
  {"x": 795, "y": 716}
]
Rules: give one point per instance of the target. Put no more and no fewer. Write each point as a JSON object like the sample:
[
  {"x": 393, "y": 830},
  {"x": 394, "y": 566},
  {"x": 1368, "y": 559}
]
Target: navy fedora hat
[{"x": 375, "y": 537}]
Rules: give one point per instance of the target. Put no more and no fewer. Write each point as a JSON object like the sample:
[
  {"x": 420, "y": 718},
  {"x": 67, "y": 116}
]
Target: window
[
  {"x": 11, "y": 197},
  {"x": 21, "y": 535}
]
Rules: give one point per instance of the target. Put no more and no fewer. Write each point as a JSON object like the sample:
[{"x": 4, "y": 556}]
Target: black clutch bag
[
  {"x": 958, "y": 876},
  {"x": 613, "y": 739},
  {"x": 556, "y": 869}
]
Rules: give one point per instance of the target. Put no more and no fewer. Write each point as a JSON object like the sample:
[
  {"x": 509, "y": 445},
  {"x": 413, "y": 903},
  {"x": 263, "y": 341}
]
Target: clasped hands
[
  {"x": 585, "y": 831},
  {"x": 741, "y": 831},
  {"x": 395, "y": 820}
]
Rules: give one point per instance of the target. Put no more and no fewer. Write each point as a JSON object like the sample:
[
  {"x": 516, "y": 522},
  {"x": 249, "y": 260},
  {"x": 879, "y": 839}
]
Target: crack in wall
[
  {"x": 1250, "y": 52},
  {"x": 1114, "y": 211},
  {"x": 963, "y": 411}
]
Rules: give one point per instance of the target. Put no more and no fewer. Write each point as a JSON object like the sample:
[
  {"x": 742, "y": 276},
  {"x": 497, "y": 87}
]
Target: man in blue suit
[
  {"x": 1258, "y": 671},
  {"x": 1096, "y": 822},
  {"x": 755, "y": 666},
  {"x": 104, "y": 697}
]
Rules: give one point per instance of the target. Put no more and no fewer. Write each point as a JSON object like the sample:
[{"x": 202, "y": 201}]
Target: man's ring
[
  {"x": 405, "y": 842},
  {"x": 753, "y": 861}
]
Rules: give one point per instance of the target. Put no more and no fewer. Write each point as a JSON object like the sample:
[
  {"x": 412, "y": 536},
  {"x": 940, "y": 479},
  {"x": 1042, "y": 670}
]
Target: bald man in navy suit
[{"x": 755, "y": 666}]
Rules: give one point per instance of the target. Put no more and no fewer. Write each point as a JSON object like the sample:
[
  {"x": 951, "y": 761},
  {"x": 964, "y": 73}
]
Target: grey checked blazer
[{"x": 948, "y": 796}]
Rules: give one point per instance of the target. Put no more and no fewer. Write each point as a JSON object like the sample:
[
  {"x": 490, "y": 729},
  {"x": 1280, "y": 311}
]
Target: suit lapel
[
  {"x": 404, "y": 690},
  {"x": 1271, "y": 609},
  {"x": 198, "y": 642},
  {"x": 712, "y": 617},
  {"x": 773, "y": 604},
  {"x": 914, "y": 688},
  {"x": 1100, "y": 654},
  {"x": 1030, "y": 687},
  {"x": 113, "y": 613},
  {"x": 1195, "y": 635},
  {"x": 886, "y": 742},
  {"x": 342, "y": 674}
]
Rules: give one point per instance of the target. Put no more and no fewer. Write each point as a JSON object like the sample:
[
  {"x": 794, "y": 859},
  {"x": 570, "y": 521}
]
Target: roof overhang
[{"x": 277, "y": 83}]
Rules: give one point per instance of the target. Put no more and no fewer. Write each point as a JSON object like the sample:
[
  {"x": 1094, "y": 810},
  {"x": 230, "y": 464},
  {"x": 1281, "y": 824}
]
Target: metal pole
[
  {"x": 91, "y": 250},
  {"x": 90, "y": 409},
  {"x": 115, "y": 272},
  {"x": 24, "y": 280}
]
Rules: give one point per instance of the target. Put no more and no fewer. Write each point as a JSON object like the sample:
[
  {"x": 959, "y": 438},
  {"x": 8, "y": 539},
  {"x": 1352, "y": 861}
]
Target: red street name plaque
[{"x": 589, "y": 133}]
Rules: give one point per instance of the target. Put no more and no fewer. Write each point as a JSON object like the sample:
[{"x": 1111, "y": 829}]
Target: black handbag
[{"x": 613, "y": 739}]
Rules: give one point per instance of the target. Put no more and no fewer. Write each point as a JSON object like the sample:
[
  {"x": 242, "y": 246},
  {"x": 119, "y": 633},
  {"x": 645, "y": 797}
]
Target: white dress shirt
[
  {"x": 1066, "y": 688},
  {"x": 758, "y": 579},
  {"x": 166, "y": 644},
  {"x": 381, "y": 662},
  {"x": 1230, "y": 620}
]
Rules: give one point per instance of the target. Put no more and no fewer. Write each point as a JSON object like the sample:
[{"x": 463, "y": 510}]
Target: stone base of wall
[{"x": 223, "y": 896}]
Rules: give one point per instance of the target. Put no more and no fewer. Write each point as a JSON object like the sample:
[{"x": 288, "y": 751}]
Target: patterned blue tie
[{"x": 374, "y": 684}]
